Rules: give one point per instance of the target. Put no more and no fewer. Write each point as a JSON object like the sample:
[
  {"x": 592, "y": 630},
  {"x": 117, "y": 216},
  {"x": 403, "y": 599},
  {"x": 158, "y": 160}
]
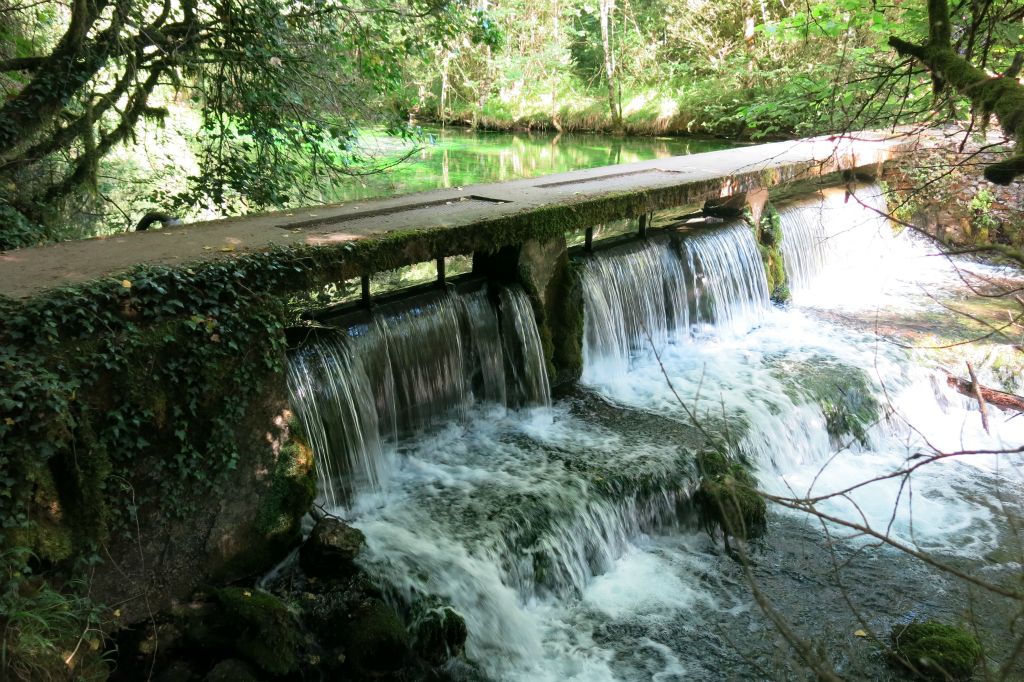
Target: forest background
[{"x": 113, "y": 108}]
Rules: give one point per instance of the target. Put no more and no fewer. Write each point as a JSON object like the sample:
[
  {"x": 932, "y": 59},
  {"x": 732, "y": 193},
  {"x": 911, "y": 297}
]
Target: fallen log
[{"x": 1007, "y": 401}]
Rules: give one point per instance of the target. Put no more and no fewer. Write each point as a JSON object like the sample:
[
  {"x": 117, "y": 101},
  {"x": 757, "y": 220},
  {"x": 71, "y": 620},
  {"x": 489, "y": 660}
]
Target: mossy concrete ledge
[{"x": 429, "y": 225}]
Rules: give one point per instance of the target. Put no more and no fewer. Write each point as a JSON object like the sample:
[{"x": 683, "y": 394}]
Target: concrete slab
[{"x": 654, "y": 185}]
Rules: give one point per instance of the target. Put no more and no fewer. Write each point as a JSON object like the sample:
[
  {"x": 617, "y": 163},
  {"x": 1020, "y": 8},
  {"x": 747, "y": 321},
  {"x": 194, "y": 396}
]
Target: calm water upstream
[
  {"x": 562, "y": 532},
  {"x": 454, "y": 157}
]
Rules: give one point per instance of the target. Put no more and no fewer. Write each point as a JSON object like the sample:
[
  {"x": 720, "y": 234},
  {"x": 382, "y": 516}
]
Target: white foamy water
[
  {"x": 554, "y": 530},
  {"x": 850, "y": 261}
]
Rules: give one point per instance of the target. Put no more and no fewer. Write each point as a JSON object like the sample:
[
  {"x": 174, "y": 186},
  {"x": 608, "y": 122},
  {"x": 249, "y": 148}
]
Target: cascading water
[
  {"x": 655, "y": 292},
  {"x": 360, "y": 390},
  {"x": 555, "y": 529},
  {"x": 841, "y": 251}
]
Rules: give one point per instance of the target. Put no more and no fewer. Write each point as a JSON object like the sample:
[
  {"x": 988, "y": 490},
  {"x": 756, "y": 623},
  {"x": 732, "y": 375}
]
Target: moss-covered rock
[
  {"x": 439, "y": 633},
  {"x": 843, "y": 393},
  {"x": 253, "y": 625},
  {"x": 935, "y": 651},
  {"x": 375, "y": 640},
  {"x": 331, "y": 549},
  {"x": 288, "y": 497},
  {"x": 727, "y": 498},
  {"x": 768, "y": 233}
]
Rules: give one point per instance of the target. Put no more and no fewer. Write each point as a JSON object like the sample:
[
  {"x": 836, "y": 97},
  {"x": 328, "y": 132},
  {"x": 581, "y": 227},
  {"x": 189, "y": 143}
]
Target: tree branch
[
  {"x": 1003, "y": 97},
  {"x": 22, "y": 63}
]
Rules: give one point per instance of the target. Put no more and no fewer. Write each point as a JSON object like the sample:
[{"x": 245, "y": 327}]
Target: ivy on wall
[
  {"x": 144, "y": 377},
  {"x": 156, "y": 366}
]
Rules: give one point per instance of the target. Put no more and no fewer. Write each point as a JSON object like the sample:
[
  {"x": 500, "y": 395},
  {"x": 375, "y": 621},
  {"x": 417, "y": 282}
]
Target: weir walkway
[{"x": 577, "y": 199}]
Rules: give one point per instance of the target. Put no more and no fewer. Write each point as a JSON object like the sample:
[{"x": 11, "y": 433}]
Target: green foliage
[
  {"x": 157, "y": 367},
  {"x": 45, "y": 633},
  {"x": 935, "y": 651},
  {"x": 279, "y": 89},
  {"x": 15, "y": 229},
  {"x": 983, "y": 223},
  {"x": 686, "y": 67}
]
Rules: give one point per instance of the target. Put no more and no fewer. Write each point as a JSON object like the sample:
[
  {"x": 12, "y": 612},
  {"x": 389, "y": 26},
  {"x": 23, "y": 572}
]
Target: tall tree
[
  {"x": 610, "y": 70},
  {"x": 279, "y": 85}
]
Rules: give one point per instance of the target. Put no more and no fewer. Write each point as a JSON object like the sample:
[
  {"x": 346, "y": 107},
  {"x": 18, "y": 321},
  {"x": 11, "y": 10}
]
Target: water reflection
[{"x": 455, "y": 157}]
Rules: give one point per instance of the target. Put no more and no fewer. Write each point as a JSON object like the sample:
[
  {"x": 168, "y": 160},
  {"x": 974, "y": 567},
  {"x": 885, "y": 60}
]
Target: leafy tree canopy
[
  {"x": 275, "y": 92},
  {"x": 279, "y": 87}
]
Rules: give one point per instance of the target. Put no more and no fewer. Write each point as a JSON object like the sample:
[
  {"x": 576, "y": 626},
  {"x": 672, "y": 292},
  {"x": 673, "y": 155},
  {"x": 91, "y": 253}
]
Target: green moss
[
  {"x": 935, "y": 651},
  {"x": 843, "y": 393},
  {"x": 255, "y": 625},
  {"x": 768, "y": 233},
  {"x": 277, "y": 526},
  {"x": 375, "y": 640},
  {"x": 291, "y": 493},
  {"x": 727, "y": 498},
  {"x": 48, "y": 537}
]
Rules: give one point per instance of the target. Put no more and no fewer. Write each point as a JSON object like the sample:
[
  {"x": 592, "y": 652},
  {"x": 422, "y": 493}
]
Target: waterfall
[
  {"x": 359, "y": 390},
  {"x": 729, "y": 279},
  {"x": 833, "y": 232},
  {"x": 654, "y": 292},
  {"x": 562, "y": 534}
]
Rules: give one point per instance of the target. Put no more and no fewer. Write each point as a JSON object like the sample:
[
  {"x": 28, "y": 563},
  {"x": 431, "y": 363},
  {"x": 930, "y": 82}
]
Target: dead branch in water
[{"x": 1006, "y": 401}]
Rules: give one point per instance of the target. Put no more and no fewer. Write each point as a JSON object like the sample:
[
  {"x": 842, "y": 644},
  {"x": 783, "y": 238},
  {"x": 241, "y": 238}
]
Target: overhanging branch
[
  {"x": 22, "y": 64},
  {"x": 1003, "y": 97}
]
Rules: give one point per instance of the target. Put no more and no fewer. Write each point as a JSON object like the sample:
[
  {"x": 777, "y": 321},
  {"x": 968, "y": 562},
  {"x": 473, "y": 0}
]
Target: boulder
[
  {"x": 931, "y": 650},
  {"x": 375, "y": 641},
  {"x": 331, "y": 549},
  {"x": 252, "y": 625}
]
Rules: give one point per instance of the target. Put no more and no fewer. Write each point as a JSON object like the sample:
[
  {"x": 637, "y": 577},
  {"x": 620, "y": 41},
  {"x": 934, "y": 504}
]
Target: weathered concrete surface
[{"x": 627, "y": 190}]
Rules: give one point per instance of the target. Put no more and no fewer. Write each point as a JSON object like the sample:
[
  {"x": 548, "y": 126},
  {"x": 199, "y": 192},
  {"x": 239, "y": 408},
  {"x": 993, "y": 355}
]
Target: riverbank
[{"x": 597, "y": 121}]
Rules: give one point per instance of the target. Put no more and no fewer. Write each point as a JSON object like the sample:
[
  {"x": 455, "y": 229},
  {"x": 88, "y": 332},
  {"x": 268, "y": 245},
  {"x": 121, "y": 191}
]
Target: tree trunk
[
  {"x": 442, "y": 102},
  {"x": 607, "y": 15},
  {"x": 58, "y": 77}
]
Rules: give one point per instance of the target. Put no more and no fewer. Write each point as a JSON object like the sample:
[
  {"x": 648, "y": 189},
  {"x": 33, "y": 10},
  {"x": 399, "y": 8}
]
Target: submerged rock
[
  {"x": 843, "y": 393},
  {"x": 331, "y": 549},
  {"x": 935, "y": 651}
]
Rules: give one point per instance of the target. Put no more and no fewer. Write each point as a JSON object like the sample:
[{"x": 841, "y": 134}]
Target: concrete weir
[
  {"x": 461, "y": 220},
  {"x": 155, "y": 362}
]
